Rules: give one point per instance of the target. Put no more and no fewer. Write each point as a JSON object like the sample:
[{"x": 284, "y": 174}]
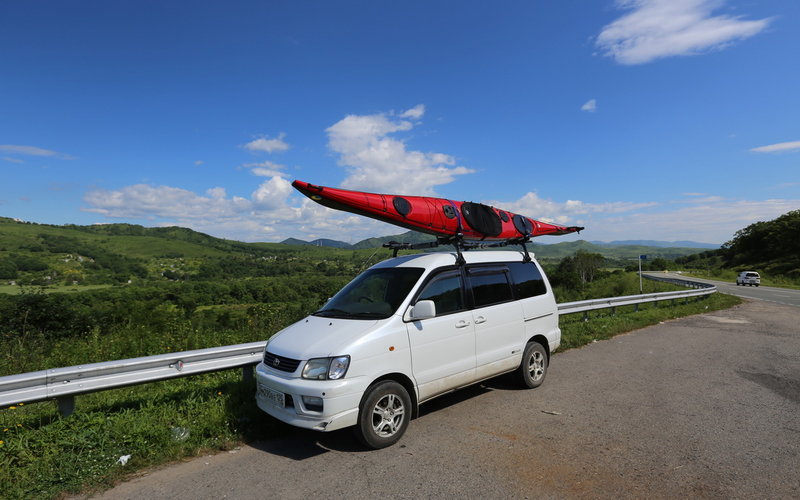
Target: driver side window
[{"x": 445, "y": 291}]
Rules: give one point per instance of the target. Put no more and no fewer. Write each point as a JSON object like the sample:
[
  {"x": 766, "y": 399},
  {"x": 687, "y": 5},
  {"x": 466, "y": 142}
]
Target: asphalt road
[
  {"x": 706, "y": 406},
  {"x": 784, "y": 296}
]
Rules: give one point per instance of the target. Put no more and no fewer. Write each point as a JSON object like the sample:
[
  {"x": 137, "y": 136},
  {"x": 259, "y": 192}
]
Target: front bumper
[{"x": 340, "y": 399}]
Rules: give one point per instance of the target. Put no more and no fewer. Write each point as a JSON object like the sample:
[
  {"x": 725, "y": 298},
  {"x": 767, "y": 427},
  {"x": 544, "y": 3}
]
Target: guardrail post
[
  {"x": 247, "y": 373},
  {"x": 66, "y": 405},
  {"x": 585, "y": 315},
  {"x": 636, "y": 308}
]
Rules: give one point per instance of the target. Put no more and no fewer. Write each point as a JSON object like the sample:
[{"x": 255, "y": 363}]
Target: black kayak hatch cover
[
  {"x": 402, "y": 206},
  {"x": 482, "y": 218}
]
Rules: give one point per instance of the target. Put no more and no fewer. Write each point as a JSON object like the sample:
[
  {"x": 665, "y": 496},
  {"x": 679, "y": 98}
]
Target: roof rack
[{"x": 461, "y": 245}]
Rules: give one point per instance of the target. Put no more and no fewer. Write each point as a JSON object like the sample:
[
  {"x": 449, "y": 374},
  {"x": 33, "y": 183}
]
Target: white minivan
[
  {"x": 748, "y": 278},
  {"x": 405, "y": 331}
]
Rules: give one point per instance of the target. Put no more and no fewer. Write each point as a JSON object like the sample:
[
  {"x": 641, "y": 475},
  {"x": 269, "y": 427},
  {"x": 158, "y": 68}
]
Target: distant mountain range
[
  {"x": 656, "y": 243},
  {"x": 616, "y": 249},
  {"x": 416, "y": 237}
]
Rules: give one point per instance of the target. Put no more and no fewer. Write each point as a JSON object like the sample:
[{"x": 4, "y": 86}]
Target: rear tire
[
  {"x": 533, "y": 368},
  {"x": 383, "y": 415}
]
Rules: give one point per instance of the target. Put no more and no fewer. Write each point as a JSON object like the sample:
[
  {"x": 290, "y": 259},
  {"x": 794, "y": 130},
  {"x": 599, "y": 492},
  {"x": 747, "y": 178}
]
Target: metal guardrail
[
  {"x": 64, "y": 383},
  {"x": 594, "y": 304}
]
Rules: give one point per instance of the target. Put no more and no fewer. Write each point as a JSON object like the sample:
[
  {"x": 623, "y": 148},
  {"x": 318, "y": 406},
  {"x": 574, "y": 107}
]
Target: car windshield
[{"x": 374, "y": 294}]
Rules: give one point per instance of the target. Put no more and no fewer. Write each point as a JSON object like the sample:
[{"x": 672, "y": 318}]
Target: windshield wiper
[
  {"x": 369, "y": 315},
  {"x": 332, "y": 312}
]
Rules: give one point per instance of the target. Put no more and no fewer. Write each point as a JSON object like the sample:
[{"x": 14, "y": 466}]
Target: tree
[{"x": 587, "y": 265}]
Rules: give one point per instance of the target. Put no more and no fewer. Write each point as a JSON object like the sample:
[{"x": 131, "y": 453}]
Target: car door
[
  {"x": 443, "y": 347},
  {"x": 499, "y": 327}
]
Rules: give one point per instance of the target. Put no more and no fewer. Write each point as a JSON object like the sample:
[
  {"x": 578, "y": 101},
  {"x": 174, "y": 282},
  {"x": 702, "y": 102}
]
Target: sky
[{"x": 638, "y": 119}]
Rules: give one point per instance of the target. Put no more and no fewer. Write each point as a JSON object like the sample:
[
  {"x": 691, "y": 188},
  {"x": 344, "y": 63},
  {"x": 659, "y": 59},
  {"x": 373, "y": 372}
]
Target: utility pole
[{"x": 641, "y": 258}]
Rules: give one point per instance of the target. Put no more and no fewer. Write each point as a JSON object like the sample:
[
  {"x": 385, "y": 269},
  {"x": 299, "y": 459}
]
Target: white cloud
[
  {"x": 272, "y": 194},
  {"x": 664, "y": 28},
  {"x": 146, "y": 201},
  {"x": 13, "y": 160},
  {"x": 778, "y": 148},
  {"x": 590, "y": 106},
  {"x": 569, "y": 212},
  {"x": 267, "y": 145},
  {"x": 34, "y": 151},
  {"x": 414, "y": 113},
  {"x": 377, "y": 162},
  {"x": 198, "y": 163},
  {"x": 266, "y": 169},
  {"x": 217, "y": 193},
  {"x": 710, "y": 220}
]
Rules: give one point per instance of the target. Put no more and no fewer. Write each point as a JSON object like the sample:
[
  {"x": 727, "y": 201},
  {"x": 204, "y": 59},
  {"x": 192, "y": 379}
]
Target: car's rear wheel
[
  {"x": 383, "y": 415},
  {"x": 533, "y": 368}
]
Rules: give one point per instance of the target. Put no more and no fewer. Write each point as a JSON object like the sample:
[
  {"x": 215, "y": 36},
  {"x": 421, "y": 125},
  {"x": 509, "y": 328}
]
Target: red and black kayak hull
[{"x": 436, "y": 216}]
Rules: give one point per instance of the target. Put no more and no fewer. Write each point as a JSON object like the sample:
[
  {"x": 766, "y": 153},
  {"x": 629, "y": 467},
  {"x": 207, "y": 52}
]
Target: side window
[
  {"x": 445, "y": 291},
  {"x": 527, "y": 279},
  {"x": 489, "y": 286}
]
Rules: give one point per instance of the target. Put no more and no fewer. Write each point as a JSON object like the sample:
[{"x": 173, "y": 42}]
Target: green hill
[{"x": 41, "y": 254}]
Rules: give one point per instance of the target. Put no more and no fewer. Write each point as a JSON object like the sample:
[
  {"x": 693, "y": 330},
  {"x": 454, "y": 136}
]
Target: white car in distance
[{"x": 748, "y": 278}]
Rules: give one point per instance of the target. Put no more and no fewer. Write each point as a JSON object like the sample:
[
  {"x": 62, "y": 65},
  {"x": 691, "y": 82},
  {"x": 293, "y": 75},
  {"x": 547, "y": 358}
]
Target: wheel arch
[
  {"x": 541, "y": 339},
  {"x": 407, "y": 384}
]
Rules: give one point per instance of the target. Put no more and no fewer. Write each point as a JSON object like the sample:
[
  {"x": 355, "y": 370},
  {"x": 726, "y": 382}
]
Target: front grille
[{"x": 283, "y": 364}]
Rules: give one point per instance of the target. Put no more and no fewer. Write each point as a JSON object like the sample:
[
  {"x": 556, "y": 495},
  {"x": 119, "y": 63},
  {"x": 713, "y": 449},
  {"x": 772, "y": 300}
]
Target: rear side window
[
  {"x": 528, "y": 281},
  {"x": 445, "y": 291},
  {"x": 489, "y": 286}
]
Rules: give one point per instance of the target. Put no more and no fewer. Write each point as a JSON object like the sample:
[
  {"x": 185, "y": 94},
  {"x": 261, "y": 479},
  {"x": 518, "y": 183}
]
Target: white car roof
[{"x": 438, "y": 259}]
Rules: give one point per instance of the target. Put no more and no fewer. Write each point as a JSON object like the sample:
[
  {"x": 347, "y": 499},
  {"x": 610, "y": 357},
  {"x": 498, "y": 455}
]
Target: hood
[{"x": 317, "y": 337}]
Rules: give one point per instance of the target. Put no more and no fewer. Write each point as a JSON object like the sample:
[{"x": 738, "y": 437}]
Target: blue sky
[{"x": 639, "y": 119}]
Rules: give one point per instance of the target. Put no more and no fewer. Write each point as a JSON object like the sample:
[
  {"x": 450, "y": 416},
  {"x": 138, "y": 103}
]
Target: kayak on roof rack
[{"x": 436, "y": 216}]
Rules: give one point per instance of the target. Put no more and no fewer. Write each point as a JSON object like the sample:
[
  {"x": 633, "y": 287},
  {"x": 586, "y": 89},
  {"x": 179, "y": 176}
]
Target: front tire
[
  {"x": 533, "y": 368},
  {"x": 383, "y": 415}
]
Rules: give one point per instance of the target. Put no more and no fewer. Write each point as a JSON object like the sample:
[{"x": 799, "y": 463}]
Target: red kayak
[{"x": 436, "y": 216}]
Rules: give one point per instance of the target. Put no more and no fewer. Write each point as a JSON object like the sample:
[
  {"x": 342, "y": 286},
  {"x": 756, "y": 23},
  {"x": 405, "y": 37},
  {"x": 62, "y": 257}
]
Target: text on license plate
[{"x": 273, "y": 396}]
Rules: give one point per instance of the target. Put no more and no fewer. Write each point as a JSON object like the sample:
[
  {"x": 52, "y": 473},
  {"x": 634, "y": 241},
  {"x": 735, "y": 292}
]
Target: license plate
[{"x": 273, "y": 396}]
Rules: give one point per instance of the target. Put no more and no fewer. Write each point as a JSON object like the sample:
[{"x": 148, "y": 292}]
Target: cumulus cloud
[
  {"x": 414, "y": 113},
  {"x": 264, "y": 144},
  {"x": 780, "y": 147},
  {"x": 569, "y": 212},
  {"x": 266, "y": 169},
  {"x": 376, "y": 161},
  {"x": 34, "y": 151},
  {"x": 713, "y": 220},
  {"x": 272, "y": 194},
  {"x": 654, "y": 29},
  {"x": 146, "y": 201},
  {"x": 590, "y": 106}
]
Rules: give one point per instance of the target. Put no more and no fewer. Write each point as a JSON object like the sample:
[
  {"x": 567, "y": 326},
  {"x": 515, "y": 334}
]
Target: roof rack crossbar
[{"x": 460, "y": 245}]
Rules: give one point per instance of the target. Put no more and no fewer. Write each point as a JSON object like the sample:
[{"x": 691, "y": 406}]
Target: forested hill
[
  {"x": 773, "y": 246},
  {"x": 41, "y": 254}
]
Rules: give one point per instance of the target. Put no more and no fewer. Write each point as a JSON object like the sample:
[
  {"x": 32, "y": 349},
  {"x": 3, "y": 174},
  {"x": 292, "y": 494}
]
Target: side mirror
[{"x": 423, "y": 309}]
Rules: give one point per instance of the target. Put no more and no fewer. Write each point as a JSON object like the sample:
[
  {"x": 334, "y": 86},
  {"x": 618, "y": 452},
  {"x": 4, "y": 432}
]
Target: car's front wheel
[
  {"x": 383, "y": 415},
  {"x": 533, "y": 368}
]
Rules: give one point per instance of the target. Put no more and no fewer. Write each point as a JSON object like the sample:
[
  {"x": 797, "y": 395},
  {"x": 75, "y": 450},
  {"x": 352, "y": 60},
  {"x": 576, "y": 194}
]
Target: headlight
[{"x": 326, "y": 368}]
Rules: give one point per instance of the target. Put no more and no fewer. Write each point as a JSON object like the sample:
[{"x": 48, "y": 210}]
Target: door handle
[
  {"x": 479, "y": 320},
  {"x": 462, "y": 324}
]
